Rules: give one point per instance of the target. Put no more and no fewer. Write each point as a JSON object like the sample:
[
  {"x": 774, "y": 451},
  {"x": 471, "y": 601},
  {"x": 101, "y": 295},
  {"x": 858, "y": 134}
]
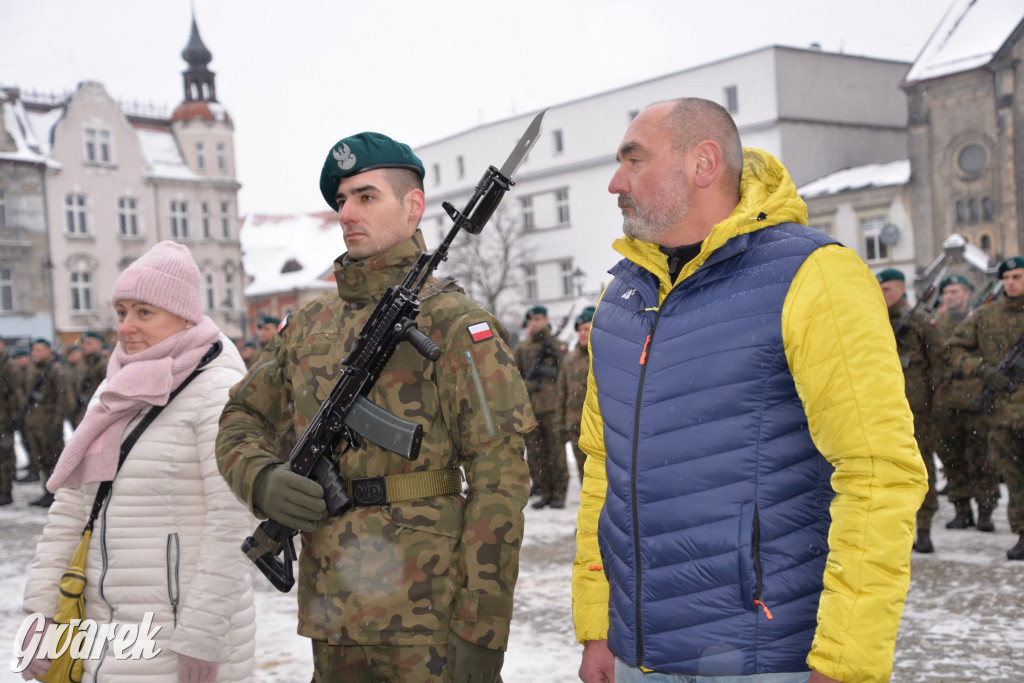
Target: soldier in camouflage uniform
[
  {"x": 249, "y": 352},
  {"x": 920, "y": 351},
  {"x": 958, "y": 422},
  {"x": 977, "y": 347},
  {"x": 572, "y": 386},
  {"x": 266, "y": 330},
  {"x": 538, "y": 356},
  {"x": 90, "y": 371},
  {"x": 418, "y": 589},
  {"x": 9, "y": 404},
  {"x": 44, "y": 406}
]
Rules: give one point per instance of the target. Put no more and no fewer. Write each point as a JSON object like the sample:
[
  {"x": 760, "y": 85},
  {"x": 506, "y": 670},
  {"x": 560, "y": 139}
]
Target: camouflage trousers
[
  {"x": 8, "y": 462},
  {"x": 963, "y": 449},
  {"x": 44, "y": 447},
  {"x": 1007, "y": 445},
  {"x": 378, "y": 663},
  {"x": 545, "y": 454},
  {"x": 581, "y": 457},
  {"x": 926, "y": 444}
]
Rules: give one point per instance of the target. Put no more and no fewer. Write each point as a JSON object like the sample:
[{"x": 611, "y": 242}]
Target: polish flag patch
[{"x": 480, "y": 332}]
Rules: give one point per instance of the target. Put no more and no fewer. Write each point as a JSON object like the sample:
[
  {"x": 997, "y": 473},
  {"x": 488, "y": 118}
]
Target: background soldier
[
  {"x": 959, "y": 425},
  {"x": 920, "y": 350},
  {"x": 977, "y": 347},
  {"x": 44, "y": 406},
  {"x": 89, "y": 373},
  {"x": 538, "y": 356},
  {"x": 418, "y": 588},
  {"x": 572, "y": 386},
  {"x": 249, "y": 352},
  {"x": 267, "y": 330},
  {"x": 9, "y": 404}
]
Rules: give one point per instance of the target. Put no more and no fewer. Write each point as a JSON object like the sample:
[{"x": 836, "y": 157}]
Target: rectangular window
[
  {"x": 127, "y": 217},
  {"x": 229, "y": 291},
  {"x": 437, "y": 174},
  {"x": 74, "y": 213},
  {"x": 81, "y": 290},
  {"x": 225, "y": 220},
  {"x": 204, "y": 219},
  {"x": 567, "y": 280},
  {"x": 179, "y": 219},
  {"x": 211, "y": 300},
  {"x": 530, "y": 282},
  {"x": 562, "y": 206},
  {"x": 3, "y": 209},
  {"x": 732, "y": 99},
  {"x": 200, "y": 157},
  {"x": 105, "y": 156},
  {"x": 556, "y": 136},
  {"x": 222, "y": 158},
  {"x": 90, "y": 145},
  {"x": 99, "y": 148},
  {"x": 6, "y": 290},
  {"x": 460, "y": 166},
  {"x": 526, "y": 206},
  {"x": 871, "y": 229}
]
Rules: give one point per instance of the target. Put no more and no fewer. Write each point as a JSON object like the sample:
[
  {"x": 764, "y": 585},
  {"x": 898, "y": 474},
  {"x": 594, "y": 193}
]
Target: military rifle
[
  {"x": 32, "y": 399},
  {"x": 347, "y": 414},
  {"x": 901, "y": 325},
  {"x": 1009, "y": 368},
  {"x": 545, "y": 350}
]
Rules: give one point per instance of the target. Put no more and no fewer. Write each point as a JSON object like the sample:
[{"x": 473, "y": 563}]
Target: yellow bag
[{"x": 70, "y": 605}]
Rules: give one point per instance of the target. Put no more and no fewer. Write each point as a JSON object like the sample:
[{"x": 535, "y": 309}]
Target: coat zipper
[
  {"x": 644, "y": 358},
  {"x": 173, "y": 561},
  {"x": 103, "y": 576}
]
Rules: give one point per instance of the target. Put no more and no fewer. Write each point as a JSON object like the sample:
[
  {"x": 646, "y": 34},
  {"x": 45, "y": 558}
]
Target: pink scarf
[{"x": 134, "y": 382}]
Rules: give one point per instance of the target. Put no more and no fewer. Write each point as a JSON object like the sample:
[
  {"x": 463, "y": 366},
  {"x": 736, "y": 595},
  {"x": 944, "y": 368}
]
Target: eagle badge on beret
[{"x": 344, "y": 156}]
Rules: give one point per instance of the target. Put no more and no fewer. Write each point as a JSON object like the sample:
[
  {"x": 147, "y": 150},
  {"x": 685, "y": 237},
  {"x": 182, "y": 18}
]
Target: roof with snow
[
  {"x": 282, "y": 253},
  {"x": 969, "y": 35},
  {"x": 858, "y": 178},
  {"x": 160, "y": 150},
  {"x": 30, "y": 131}
]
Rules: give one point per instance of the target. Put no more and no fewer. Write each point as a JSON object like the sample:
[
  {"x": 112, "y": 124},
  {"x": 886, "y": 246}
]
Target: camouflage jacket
[
  {"x": 953, "y": 391},
  {"x": 87, "y": 377},
  {"x": 404, "y": 573},
  {"x": 46, "y": 403},
  {"x": 920, "y": 351},
  {"x": 542, "y": 386},
  {"x": 572, "y": 389},
  {"x": 984, "y": 338},
  {"x": 10, "y": 395}
]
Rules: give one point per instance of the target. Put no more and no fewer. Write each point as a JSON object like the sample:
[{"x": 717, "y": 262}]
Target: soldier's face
[
  {"x": 40, "y": 352},
  {"x": 1013, "y": 282},
  {"x": 91, "y": 345},
  {"x": 372, "y": 217},
  {"x": 583, "y": 334},
  {"x": 266, "y": 332},
  {"x": 537, "y": 323},
  {"x": 892, "y": 292},
  {"x": 141, "y": 325},
  {"x": 955, "y": 298},
  {"x": 74, "y": 356}
]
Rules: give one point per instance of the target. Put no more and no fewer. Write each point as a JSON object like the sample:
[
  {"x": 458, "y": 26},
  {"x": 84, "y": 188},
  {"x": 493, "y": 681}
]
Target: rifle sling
[{"x": 395, "y": 488}]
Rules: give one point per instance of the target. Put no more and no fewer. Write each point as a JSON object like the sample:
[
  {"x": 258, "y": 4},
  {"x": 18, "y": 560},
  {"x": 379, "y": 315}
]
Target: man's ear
[
  {"x": 707, "y": 161},
  {"x": 416, "y": 204}
]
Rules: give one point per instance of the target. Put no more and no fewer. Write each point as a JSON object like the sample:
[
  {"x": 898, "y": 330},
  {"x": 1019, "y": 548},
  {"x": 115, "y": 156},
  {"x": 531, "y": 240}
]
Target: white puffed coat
[{"x": 167, "y": 541}]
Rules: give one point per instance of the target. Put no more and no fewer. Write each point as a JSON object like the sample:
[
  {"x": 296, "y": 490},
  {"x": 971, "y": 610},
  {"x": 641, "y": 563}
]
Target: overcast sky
[{"x": 298, "y": 75}]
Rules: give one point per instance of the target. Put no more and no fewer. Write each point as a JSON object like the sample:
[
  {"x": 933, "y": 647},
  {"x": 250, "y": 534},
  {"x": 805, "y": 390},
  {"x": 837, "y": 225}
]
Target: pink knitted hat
[{"x": 167, "y": 277}]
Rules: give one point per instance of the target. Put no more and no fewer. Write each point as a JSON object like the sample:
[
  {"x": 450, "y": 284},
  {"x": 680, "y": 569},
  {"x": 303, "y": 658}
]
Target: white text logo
[{"x": 128, "y": 641}]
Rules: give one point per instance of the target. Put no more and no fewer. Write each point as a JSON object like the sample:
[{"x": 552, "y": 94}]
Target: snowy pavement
[{"x": 963, "y": 622}]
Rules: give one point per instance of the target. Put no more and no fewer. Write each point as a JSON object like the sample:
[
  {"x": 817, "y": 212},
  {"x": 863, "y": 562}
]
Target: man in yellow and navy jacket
[{"x": 752, "y": 476}]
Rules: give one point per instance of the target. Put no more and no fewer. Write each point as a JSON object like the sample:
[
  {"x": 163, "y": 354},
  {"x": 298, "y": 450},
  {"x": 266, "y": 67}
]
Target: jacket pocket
[
  {"x": 173, "y": 563},
  {"x": 749, "y": 555}
]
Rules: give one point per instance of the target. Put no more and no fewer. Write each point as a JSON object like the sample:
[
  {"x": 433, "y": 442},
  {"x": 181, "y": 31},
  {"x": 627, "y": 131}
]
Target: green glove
[
  {"x": 994, "y": 378},
  {"x": 469, "y": 663},
  {"x": 289, "y": 498}
]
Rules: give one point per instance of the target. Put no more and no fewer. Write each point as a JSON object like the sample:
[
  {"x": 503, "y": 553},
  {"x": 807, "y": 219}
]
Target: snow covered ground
[{"x": 963, "y": 622}]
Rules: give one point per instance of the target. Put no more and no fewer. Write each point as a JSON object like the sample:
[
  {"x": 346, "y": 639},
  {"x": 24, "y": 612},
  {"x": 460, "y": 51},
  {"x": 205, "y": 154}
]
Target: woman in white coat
[{"x": 167, "y": 539}]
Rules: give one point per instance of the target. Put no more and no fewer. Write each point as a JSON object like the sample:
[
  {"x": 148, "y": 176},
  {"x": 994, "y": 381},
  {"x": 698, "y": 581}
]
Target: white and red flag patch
[{"x": 480, "y": 332}]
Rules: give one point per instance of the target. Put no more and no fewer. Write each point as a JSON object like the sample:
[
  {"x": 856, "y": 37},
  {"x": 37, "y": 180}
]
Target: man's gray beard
[{"x": 643, "y": 229}]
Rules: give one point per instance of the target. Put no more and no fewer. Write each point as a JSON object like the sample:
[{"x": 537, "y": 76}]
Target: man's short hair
[
  {"x": 693, "y": 119},
  {"x": 402, "y": 181}
]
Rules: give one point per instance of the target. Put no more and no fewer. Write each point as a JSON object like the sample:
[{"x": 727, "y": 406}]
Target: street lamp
[{"x": 578, "y": 276}]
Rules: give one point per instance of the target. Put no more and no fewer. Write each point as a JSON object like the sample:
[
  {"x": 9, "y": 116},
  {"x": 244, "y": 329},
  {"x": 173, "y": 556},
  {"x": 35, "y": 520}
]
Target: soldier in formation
[
  {"x": 538, "y": 357},
  {"x": 959, "y": 423},
  {"x": 44, "y": 406},
  {"x": 415, "y": 584},
  {"x": 920, "y": 351},
  {"x": 977, "y": 347},
  {"x": 572, "y": 386},
  {"x": 87, "y": 374},
  {"x": 9, "y": 403}
]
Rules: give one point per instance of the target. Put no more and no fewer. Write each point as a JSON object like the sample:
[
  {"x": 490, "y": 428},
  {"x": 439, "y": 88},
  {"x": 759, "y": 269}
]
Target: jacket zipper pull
[
  {"x": 767, "y": 612},
  {"x": 647, "y": 346}
]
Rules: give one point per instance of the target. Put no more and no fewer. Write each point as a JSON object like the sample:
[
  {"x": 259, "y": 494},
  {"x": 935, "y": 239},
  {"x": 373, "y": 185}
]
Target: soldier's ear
[{"x": 416, "y": 203}]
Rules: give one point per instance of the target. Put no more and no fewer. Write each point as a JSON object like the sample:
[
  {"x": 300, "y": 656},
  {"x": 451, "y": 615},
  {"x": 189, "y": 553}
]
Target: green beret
[
  {"x": 269, "y": 319},
  {"x": 955, "y": 279},
  {"x": 250, "y": 344},
  {"x": 94, "y": 335},
  {"x": 891, "y": 274},
  {"x": 1012, "y": 263},
  {"x": 74, "y": 347},
  {"x": 585, "y": 316},
  {"x": 534, "y": 310},
  {"x": 20, "y": 352},
  {"x": 363, "y": 152},
  {"x": 40, "y": 341}
]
